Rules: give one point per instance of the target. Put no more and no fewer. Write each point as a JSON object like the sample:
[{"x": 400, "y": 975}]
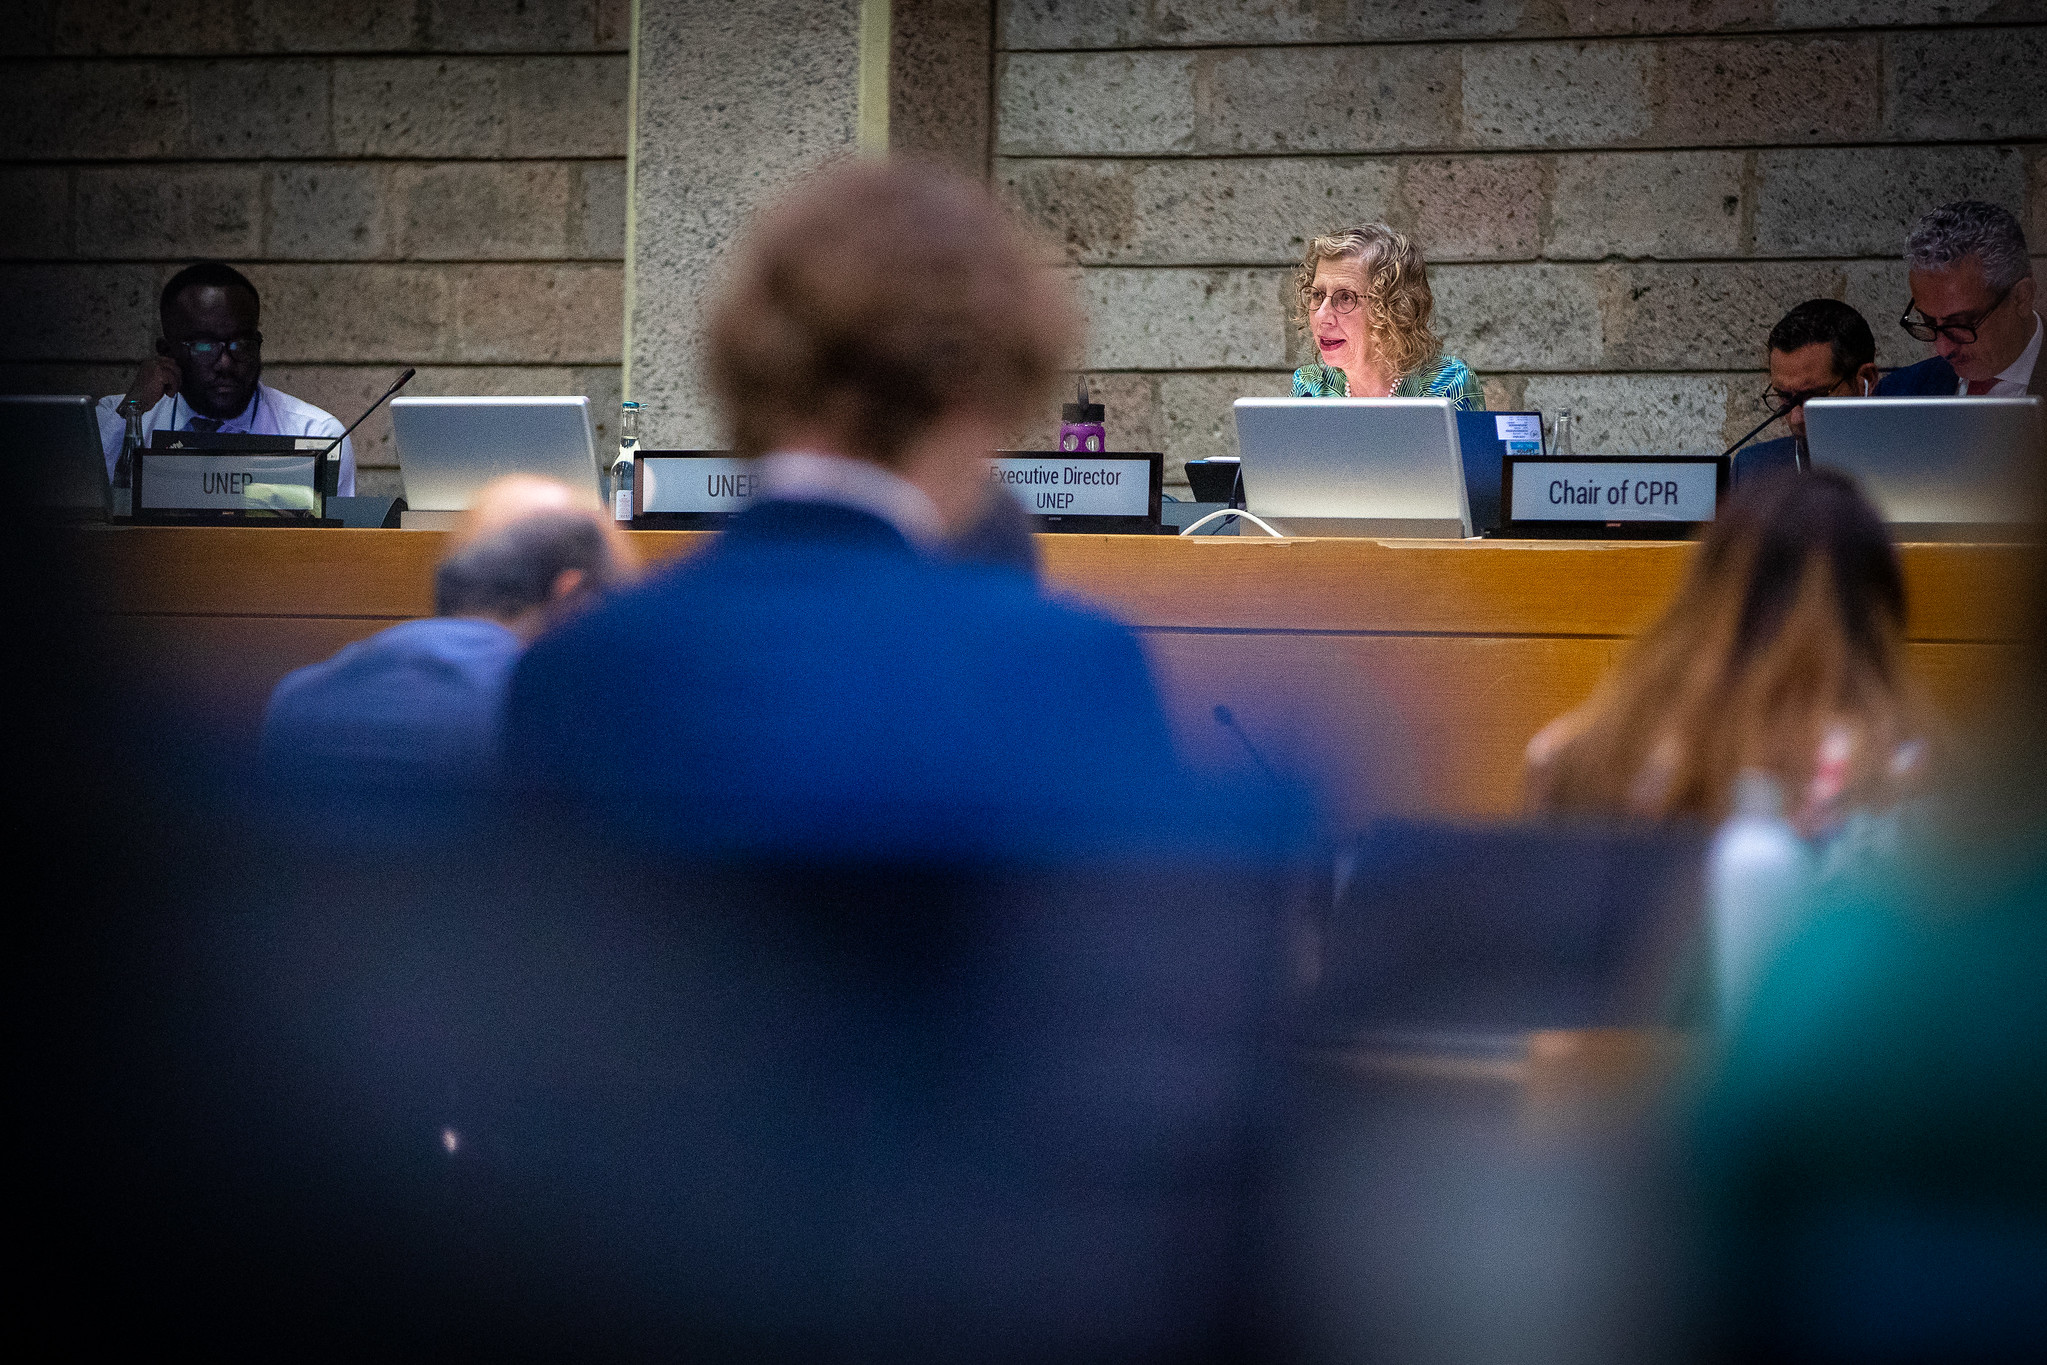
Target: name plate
[
  {"x": 230, "y": 481},
  {"x": 1677, "y": 490},
  {"x": 693, "y": 484},
  {"x": 1067, "y": 486}
]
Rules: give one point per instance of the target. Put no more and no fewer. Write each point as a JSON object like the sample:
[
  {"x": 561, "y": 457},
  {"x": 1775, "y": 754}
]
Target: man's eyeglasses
[
  {"x": 1342, "y": 300},
  {"x": 1961, "y": 333},
  {"x": 1778, "y": 401},
  {"x": 241, "y": 348}
]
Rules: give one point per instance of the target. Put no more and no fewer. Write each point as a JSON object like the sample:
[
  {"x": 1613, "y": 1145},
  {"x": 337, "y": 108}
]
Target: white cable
[{"x": 1194, "y": 526}]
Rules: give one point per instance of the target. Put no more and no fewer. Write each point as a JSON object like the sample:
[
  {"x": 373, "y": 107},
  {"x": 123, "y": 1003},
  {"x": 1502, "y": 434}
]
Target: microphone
[
  {"x": 1225, "y": 718},
  {"x": 1757, "y": 431},
  {"x": 331, "y": 478}
]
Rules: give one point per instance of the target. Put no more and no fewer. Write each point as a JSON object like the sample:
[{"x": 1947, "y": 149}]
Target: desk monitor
[
  {"x": 1484, "y": 439},
  {"x": 1353, "y": 466},
  {"x": 451, "y": 447},
  {"x": 56, "y": 439},
  {"x": 1937, "y": 468}
]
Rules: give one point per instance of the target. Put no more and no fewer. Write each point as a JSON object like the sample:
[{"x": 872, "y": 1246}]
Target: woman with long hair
[{"x": 1783, "y": 654}]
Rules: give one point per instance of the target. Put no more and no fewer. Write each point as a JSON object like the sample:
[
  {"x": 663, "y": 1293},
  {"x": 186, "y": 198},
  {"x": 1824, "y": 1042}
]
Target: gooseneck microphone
[
  {"x": 1225, "y": 718},
  {"x": 331, "y": 478},
  {"x": 1756, "y": 431}
]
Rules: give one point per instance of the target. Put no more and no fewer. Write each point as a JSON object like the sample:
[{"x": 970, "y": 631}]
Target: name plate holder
[
  {"x": 690, "y": 490},
  {"x": 185, "y": 478},
  {"x": 1112, "y": 493},
  {"x": 1610, "y": 497},
  {"x": 1118, "y": 494}
]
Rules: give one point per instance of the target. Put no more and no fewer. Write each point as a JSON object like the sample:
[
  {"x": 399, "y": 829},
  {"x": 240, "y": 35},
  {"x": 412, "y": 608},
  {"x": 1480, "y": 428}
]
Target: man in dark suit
[
  {"x": 1820, "y": 349},
  {"x": 1974, "y": 299}
]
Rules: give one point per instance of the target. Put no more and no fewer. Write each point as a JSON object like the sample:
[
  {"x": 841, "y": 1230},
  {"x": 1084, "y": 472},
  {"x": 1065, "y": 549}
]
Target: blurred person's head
[
  {"x": 1821, "y": 349},
  {"x": 1362, "y": 295},
  {"x": 889, "y": 311},
  {"x": 529, "y": 551},
  {"x": 1973, "y": 291},
  {"x": 210, "y": 317},
  {"x": 1783, "y": 654}
]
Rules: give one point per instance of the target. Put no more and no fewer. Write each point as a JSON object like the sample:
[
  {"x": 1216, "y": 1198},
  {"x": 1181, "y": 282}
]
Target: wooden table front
[{"x": 1399, "y": 675}]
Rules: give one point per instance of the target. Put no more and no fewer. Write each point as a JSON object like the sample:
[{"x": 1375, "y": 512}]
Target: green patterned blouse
[{"x": 1450, "y": 378}]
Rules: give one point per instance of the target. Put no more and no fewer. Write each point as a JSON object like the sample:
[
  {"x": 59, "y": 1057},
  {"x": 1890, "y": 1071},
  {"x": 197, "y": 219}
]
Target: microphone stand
[
  {"x": 330, "y": 479},
  {"x": 1798, "y": 455}
]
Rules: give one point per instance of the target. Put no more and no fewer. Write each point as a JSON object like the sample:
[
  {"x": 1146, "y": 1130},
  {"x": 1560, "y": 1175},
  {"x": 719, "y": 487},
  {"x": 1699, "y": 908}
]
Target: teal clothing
[{"x": 1449, "y": 378}]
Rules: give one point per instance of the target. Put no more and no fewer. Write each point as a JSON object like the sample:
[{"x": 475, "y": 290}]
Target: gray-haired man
[
  {"x": 1973, "y": 298},
  {"x": 417, "y": 704}
]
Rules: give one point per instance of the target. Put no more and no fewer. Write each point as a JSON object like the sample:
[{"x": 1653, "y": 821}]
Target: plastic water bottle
[
  {"x": 121, "y": 487},
  {"x": 622, "y": 468},
  {"x": 1759, "y": 875},
  {"x": 1080, "y": 425},
  {"x": 1560, "y": 437}
]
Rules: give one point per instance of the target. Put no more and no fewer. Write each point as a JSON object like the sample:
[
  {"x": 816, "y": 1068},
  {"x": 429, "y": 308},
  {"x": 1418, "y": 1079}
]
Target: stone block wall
[
  {"x": 436, "y": 183},
  {"x": 1616, "y": 199}
]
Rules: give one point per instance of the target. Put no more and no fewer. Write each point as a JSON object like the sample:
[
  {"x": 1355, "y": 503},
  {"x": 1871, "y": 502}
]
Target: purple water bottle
[{"x": 1080, "y": 425}]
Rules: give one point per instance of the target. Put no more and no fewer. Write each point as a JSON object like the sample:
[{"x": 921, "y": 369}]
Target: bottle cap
[{"x": 1083, "y": 411}]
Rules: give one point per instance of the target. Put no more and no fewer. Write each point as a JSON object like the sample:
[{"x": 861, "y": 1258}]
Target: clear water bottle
[
  {"x": 1759, "y": 875},
  {"x": 1560, "y": 436},
  {"x": 622, "y": 468},
  {"x": 121, "y": 487},
  {"x": 1080, "y": 425}
]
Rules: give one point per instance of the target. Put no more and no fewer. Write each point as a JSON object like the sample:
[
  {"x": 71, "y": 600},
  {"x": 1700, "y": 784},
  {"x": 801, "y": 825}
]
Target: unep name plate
[{"x": 230, "y": 481}]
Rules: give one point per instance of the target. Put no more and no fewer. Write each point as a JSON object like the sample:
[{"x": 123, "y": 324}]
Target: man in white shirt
[
  {"x": 207, "y": 372},
  {"x": 1974, "y": 298}
]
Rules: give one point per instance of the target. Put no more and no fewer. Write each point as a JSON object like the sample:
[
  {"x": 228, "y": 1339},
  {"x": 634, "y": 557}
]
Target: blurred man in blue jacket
[
  {"x": 417, "y": 704},
  {"x": 824, "y": 681}
]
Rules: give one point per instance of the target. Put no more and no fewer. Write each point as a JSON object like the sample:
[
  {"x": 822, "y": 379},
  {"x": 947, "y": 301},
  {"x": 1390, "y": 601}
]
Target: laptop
[
  {"x": 1353, "y": 466},
  {"x": 1937, "y": 468},
  {"x": 1484, "y": 440},
  {"x": 451, "y": 447},
  {"x": 56, "y": 437}
]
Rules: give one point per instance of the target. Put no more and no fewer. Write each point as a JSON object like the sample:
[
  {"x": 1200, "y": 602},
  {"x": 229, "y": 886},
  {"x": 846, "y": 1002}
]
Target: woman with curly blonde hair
[{"x": 1362, "y": 296}]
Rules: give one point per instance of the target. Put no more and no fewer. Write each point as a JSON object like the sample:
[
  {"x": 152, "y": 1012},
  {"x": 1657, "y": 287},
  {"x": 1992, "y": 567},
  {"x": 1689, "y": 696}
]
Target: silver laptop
[
  {"x": 55, "y": 439},
  {"x": 450, "y": 447},
  {"x": 1939, "y": 468},
  {"x": 1353, "y": 466}
]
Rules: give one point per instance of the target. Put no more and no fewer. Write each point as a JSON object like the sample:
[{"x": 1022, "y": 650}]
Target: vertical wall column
[{"x": 733, "y": 103}]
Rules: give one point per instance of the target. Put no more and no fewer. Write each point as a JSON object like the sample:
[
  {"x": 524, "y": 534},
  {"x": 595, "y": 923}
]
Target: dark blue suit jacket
[
  {"x": 1930, "y": 378},
  {"x": 812, "y": 687},
  {"x": 1765, "y": 457}
]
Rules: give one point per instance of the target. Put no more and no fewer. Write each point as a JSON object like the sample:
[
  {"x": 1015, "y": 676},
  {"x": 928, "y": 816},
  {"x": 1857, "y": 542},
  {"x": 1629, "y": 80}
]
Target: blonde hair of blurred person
[
  {"x": 1783, "y": 654},
  {"x": 1362, "y": 298},
  {"x": 890, "y": 312}
]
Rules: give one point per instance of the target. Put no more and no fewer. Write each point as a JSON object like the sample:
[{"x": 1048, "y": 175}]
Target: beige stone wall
[
  {"x": 1617, "y": 198},
  {"x": 438, "y": 183}
]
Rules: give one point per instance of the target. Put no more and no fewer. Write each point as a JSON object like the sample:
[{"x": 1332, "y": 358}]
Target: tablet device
[
  {"x": 1483, "y": 440},
  {"x": 1937, "y": 468},
  {"x": 1353, "y": 466},
  {"x": 55, "y": 438},
  {"x": 448, "y": 448}
]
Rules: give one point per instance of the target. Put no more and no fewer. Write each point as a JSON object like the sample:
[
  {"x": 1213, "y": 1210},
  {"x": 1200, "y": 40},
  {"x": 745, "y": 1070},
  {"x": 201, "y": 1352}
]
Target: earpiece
[{"x": 1865, "y": 388}]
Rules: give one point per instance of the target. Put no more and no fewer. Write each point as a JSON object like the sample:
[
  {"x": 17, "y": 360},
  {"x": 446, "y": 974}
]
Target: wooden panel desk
[{"x": 1403, "y": 675}]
